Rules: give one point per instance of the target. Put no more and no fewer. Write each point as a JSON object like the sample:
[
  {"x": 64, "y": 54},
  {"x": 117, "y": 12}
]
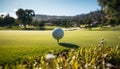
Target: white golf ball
[{"x": 58, "y": 33}]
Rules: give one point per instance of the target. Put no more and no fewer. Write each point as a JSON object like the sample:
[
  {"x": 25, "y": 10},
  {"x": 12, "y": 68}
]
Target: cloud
[
  {"x": 14, "y": 10},
  {"x": 11, "y": 14}
]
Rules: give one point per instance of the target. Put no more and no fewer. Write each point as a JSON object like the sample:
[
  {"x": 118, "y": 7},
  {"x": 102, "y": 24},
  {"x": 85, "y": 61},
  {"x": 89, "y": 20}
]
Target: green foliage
[
  {"x": 1, "y": 21},
  {"x": 25, "y": 16},
  {"x": 7, "y": 21},
  {"x": 41, "y": 25},
  {"x": 111, "y": 7},
  {"x": 84, "y": 57},
  {"x": 111, "y": 22},
  {"x": 35, "y": 23}
]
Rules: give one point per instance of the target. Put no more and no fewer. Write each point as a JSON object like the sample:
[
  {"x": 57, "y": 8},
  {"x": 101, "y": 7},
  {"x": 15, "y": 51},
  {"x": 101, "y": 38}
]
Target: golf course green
[{"x": 15, "y": 44}]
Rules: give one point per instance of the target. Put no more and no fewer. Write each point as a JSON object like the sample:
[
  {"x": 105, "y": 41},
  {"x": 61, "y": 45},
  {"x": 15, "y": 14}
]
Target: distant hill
[
  {"x": 92, "y": 15},
  {"x": 49, "y": 17}
]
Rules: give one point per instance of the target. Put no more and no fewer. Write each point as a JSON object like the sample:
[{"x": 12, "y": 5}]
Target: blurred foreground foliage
[{"x": 101, "y": 57}]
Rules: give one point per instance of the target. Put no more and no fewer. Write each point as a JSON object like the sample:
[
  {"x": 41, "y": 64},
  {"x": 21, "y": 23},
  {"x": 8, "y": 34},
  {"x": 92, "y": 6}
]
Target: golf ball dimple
[{"x": 57, "y": 33}]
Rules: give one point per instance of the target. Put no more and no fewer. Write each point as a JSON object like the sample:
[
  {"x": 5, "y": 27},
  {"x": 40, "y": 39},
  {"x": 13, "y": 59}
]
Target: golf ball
[{"x": 58, "y": 33}]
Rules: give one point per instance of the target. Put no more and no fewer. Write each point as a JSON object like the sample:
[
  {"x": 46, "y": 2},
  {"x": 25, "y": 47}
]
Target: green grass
[
  {"x": 11, "y": 28},
  {"x": 106, "y": 28},
  {"x": 19, "y": 44},
  {"x": 28, "y": 28}
]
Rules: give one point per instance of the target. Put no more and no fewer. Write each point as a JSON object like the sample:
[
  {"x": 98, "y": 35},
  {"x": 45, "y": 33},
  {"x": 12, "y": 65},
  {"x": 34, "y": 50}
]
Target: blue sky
[{"x": 50, "y": 7}]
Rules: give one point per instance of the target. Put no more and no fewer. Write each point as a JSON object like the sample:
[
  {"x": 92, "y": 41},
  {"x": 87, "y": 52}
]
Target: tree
[
  {"x": 9, "y": 21},
  {"x": 1, "y": 20},
  {"x": 64, "y": 23},
  {"x": 111, "y": 22},
  {"x": 29, "y": 14},
  {"x": 25, "y": 16},
  {"x": 112, "y": 8},
  {"x": 41, "y": 24},
  {"x": 35, "y": 23}
]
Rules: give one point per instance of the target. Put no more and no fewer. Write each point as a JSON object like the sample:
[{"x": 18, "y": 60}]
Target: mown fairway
[{"x": 18, "y": 44}]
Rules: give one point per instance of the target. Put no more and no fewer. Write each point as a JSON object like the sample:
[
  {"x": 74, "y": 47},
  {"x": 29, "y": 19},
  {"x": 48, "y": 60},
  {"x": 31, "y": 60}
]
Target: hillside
[
  {"x": 49, "y": 17},
  {"x": 93, "y": 15}
]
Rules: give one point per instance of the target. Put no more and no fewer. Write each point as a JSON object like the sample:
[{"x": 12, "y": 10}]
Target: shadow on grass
[{"x": 68, "y": 45}]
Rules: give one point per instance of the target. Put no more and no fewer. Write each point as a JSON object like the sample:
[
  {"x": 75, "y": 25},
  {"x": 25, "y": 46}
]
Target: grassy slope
[
  {"x": 28, "y": 28},
  {"x": 116, "y": 28},
  {"x": 17, "y": 44}
]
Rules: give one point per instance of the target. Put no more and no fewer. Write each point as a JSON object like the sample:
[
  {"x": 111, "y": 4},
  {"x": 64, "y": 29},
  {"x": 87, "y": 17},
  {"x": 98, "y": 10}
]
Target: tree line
[
  {"x": 25, "y": 17},
  {"x": 7, "y": 21}
]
